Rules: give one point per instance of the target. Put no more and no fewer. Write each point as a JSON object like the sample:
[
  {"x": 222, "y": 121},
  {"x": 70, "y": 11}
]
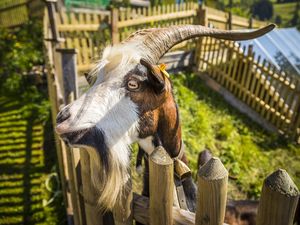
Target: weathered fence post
[
  {"x": 278, "y": 200},
  {"x": 114, "y": 26},
  {"x": 229, "y": 21},
  {"x": 52, "y": 19},
  {"x": 88, "y": 191},
  {"x": 69, "y": 77},
  {"x": 201, "y": 19},
  {"x": 69, "y": 72},
  {"x": 251, "y": 22},
  {"x": 202, "y": 16},
  {"x": 161, "y": 187},
  {"x": 212, "y": 193},
  {"x": 122, "y": 212}
]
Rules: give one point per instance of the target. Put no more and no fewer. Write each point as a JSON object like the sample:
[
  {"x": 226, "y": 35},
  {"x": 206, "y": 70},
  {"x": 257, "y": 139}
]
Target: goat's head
[{"x": 123, "y": 103}]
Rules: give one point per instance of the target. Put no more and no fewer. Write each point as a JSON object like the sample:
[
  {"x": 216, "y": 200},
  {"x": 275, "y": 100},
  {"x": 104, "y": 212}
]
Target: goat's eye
[{"x": 133, "y": 85}]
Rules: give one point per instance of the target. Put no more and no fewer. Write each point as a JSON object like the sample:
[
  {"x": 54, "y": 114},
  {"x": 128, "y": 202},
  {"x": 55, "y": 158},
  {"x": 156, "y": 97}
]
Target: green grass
[
  {"x": 27, "y": 158},
  {"x": 285, "y": 11},
  {"x": 248, "y": 152}
]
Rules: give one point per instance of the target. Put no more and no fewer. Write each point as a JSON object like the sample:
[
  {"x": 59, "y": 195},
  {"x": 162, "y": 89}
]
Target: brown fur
[{"x": 158, "y": 111}]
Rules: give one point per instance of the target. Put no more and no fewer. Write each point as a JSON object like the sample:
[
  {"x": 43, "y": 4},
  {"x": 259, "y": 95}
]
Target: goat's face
[
  {"x": 124, "y": 102},
  {"x": 106, "y": 119},
  {"x": 110, "y": 111}
]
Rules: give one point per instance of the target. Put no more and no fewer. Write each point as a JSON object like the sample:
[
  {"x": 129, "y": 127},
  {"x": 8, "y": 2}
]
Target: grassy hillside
[
  {"x": 285, "y": 11},
  {"x": 248, "y": 152},
  {"x": 27, "y": 158}
]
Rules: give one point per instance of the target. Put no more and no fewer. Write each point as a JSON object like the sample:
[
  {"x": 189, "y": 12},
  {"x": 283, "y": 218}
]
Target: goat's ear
[{"x": 155, "y": 76}]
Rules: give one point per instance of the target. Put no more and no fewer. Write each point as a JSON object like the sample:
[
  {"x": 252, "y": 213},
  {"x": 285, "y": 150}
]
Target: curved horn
[{"x": 154, "y": 43}]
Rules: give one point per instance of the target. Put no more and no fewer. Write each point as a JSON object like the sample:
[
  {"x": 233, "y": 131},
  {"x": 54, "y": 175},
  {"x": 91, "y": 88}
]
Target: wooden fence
[
  {"x": 73, "y": 40},
  {"x": 272, "y": 96},
  {"x": 89, "y": 31},
  {"x": 17, "y": 12}
]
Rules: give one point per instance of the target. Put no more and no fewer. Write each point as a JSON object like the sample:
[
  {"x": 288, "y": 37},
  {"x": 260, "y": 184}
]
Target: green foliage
[
  {"x": 288, "y": 13},
  {"x": 27, "y": 151},
  {"x": 20, "y": 50},
  {"x": 295, "y": 21},
  {"x": 263, "y": 9},
  {"x": 237, "y": 7}
]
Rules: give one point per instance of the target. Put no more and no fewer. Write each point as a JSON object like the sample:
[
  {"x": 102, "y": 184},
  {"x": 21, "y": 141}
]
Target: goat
[{"x": 131, "y": 100}]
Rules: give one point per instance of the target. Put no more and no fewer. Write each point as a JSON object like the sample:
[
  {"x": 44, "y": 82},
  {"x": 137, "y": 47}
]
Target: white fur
[
  {"x": 106, "y": 106},
  {"x": 147, "y": 144}
]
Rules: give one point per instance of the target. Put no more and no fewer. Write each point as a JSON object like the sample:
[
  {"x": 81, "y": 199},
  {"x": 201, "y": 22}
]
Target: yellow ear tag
[{"x": 162, "y": 68}]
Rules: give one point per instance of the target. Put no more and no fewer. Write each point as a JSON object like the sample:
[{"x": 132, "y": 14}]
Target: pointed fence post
[
  {"x": 278, "y": 200},
  {"x": 161, "y": 187},
  {"x": 212, "y": 193}
]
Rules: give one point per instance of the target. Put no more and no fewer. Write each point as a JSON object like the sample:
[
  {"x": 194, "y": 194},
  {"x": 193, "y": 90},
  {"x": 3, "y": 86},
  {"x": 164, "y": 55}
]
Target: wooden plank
[
  {"x": 223, "y": 72},
  {"x": 270, "y": 92},
  {"x": 122, "y": 212},
  {"x": 239, "y": 73},
  {"x": 212, "y": 179},
  {"x": 69, "y": 74},
  {"x": 248, "y": 75},
  {"x": 161, "y": 178},
  {"x": 235, "y": 67},
  {"x": 254, "y": 80},
  {"x": 89, "y": 193},
  {"x": 230, "y": 56},
  {"x": 114, "y": 26},
  {"x": 141, "y": 212},
  {"x": 278, "y": 200},
  {"x": 156, "y": 18},
  {"x": 259, "y": 92}
]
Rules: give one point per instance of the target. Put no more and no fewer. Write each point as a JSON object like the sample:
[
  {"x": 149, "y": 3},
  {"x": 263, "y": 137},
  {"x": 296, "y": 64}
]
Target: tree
[{"x": 262, "y": 9}]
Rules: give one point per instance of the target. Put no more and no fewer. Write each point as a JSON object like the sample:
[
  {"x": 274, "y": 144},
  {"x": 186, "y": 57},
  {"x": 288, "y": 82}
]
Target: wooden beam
[
  {"x": 150, "y": 19},
  {"x": 141, "y": 212}
]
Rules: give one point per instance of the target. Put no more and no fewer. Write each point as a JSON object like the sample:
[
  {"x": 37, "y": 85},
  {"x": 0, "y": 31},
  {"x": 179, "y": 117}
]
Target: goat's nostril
[{"x": 63, "y": 115}]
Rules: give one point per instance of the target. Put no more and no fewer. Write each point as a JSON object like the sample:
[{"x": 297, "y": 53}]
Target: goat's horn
[{"x": 156, "y": 42}]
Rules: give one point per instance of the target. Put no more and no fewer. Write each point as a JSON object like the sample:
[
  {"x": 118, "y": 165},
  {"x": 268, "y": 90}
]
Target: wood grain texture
[
  {"x": 122, "y": 211},
  {"x": 92, "y": 213},
  {"x": 212, "y": 193},
  {"x": 161, "y": 187},
  {"x": 278, "y": 201},
  {"x": 141, "y": 212}
]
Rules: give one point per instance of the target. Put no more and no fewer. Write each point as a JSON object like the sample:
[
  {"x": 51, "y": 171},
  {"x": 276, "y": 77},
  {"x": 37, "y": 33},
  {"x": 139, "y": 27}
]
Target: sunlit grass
[
  {"x": 285, "y": 11},
  {"x": 24, "y": 167}
]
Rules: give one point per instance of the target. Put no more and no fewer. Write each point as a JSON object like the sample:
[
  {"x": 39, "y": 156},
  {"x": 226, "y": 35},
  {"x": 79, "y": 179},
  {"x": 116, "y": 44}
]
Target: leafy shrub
[
  {"x": 21, "y": 49},
  {"x": 263, "y": 9}
]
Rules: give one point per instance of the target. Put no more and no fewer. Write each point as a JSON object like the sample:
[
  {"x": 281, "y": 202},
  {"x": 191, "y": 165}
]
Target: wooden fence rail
[
  {"x": 272, "y": 94},
  {"x": 90, "y": 31},
  {"x": 18, "y": 12}
]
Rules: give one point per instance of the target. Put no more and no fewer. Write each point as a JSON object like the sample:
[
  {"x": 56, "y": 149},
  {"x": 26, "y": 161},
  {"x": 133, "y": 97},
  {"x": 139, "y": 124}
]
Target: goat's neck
[{"x": 169, "y": 128}]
